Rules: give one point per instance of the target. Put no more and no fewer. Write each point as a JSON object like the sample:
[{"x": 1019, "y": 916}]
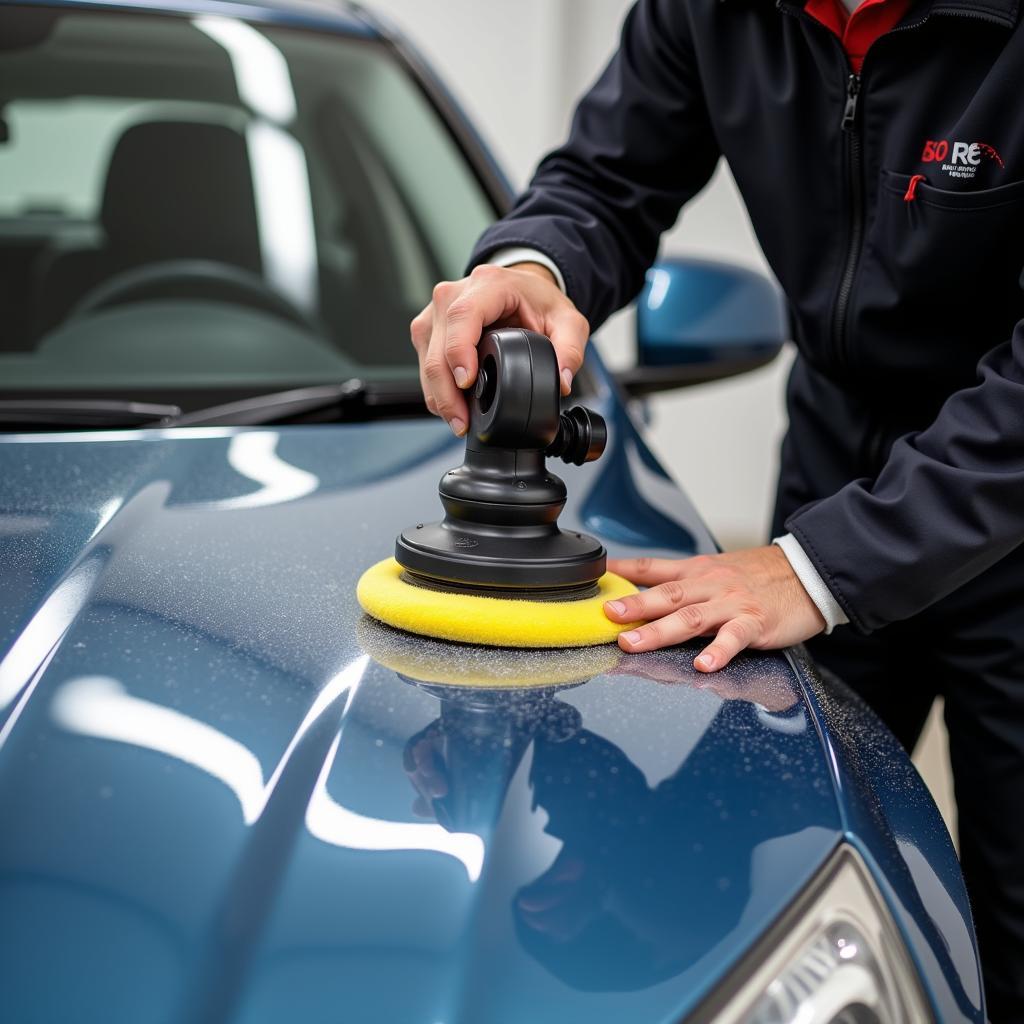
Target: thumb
[{"x": 489, "y": 300}]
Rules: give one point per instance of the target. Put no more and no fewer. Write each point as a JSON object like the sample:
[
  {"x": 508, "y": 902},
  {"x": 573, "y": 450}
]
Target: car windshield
[{"x": 194, "y": 203}]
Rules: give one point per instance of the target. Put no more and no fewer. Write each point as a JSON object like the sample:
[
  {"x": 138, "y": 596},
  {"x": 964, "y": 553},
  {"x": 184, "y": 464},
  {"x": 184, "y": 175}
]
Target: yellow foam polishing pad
[{"x": 493, "y": 621}]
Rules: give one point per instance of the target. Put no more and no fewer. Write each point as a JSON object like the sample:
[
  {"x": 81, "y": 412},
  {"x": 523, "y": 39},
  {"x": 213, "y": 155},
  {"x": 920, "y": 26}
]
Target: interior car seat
[{"x": 174, "y": 190}]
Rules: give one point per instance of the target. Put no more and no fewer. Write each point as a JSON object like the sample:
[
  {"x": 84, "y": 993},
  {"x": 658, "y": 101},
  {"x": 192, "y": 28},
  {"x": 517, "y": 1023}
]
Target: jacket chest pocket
[{"x": 944, "y": 269}]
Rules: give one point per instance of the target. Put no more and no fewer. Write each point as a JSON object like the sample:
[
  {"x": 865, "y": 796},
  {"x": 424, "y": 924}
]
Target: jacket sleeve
[
  {"x": 947, "y": 505},
  {"x": 641, "y": 145}
]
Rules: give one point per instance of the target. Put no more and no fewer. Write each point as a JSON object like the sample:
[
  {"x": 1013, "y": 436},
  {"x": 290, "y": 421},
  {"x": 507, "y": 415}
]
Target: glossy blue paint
[
  {"x": 210, "y": 763},
  {"x": 696, "y": 311}
]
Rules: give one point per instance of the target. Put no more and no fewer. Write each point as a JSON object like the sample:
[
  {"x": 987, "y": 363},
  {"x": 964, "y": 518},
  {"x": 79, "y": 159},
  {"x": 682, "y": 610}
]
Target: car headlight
[{"x": 835, "y": 957}]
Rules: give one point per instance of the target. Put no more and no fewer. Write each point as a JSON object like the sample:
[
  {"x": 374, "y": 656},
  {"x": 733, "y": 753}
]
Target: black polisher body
[{"x": 500, "y": 530}]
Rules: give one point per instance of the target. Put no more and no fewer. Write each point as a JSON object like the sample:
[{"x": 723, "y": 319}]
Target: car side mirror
[{"x": 699, "y": 321}]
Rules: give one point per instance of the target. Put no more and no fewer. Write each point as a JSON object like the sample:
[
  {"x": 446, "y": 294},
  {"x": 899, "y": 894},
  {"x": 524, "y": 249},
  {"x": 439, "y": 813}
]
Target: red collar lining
[{"x": 858, "y": 31}]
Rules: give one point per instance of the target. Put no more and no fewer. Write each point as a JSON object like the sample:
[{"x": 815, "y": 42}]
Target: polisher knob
[{"x": 582, "y": 437}]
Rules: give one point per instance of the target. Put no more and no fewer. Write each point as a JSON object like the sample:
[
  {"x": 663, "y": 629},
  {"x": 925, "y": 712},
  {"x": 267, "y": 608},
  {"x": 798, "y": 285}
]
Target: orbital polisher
[{"x": 497, "y": 569}]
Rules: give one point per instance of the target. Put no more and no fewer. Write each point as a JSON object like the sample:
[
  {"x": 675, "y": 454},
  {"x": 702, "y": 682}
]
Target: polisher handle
[{"x": 515, "y": 404}]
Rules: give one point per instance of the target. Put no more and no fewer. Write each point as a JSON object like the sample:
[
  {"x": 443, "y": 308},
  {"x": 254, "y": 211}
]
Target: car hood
[{"x": 227, "y": 795}]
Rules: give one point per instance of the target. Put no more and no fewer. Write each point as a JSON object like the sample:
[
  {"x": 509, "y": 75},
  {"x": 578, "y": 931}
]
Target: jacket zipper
[
  {"x": 855, "y": 174},
  {"x": 855, "y": 234}
]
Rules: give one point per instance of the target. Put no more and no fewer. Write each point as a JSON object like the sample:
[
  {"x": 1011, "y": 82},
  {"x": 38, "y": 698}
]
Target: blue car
[{"x": 227, "y": 795}]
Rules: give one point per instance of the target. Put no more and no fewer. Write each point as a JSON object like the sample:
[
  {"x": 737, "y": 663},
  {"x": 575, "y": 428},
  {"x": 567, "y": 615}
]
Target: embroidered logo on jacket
[{"x": 964, "y": 158}]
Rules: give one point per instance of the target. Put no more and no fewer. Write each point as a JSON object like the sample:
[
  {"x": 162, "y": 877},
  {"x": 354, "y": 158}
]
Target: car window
[
  {"x": 82, "y": 131},
  {"x": 192, "y": 201}
]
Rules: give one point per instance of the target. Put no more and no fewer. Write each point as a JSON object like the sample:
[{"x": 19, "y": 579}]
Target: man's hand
[
  {"x": 747, "y": 599},
  {"x": 446, "y": 333}
]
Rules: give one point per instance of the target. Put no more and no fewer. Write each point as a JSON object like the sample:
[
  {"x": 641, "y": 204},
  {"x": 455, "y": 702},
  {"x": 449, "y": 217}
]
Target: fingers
[
  {"x": 460, "y": 312},
  {"x": 735, "y": 636},
  {"x": 660, "y": 600},
  {"x": 645, "y": 572},
  {"x": 569, "y": 332},
  {"x": 735, "y": 632},
  {"x": 747, "y": 598},
  {"x": 650, "y": 571},
  {"x": 487, "y": 299},
  {"x": 446, "y": 334},
  {"x": 420, "y": 330},
  {"x": 440, "y": 384},
  {"x": 675, "y": 628}
]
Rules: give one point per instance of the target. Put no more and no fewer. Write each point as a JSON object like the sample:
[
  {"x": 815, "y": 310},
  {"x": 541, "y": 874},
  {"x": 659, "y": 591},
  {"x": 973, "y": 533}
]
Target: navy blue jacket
[{"x": 907, "y": 312}]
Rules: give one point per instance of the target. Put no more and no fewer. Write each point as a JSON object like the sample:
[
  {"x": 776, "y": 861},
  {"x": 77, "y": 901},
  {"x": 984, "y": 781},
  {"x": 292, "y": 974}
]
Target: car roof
[{"x": 332, "y": 15}]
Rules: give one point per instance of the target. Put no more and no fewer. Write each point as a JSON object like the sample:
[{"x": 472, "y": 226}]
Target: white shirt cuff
[
  {"x": 521, "y": 254},
  {"x": 812, "y": 582}
]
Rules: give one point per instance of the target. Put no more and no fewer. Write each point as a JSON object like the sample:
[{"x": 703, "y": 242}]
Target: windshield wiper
[
  {"x": 351, "y": 400},
  {"x": 84, "y": 412}
]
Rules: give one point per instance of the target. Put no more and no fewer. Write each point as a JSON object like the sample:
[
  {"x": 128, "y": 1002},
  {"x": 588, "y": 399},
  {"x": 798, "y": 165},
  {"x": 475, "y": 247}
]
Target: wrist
[
  {"x": 810, "y": 580},
  {"x": 537, "y": 270}
]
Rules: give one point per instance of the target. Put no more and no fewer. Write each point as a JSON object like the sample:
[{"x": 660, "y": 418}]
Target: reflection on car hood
[{"x": 227, "y": 795}]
